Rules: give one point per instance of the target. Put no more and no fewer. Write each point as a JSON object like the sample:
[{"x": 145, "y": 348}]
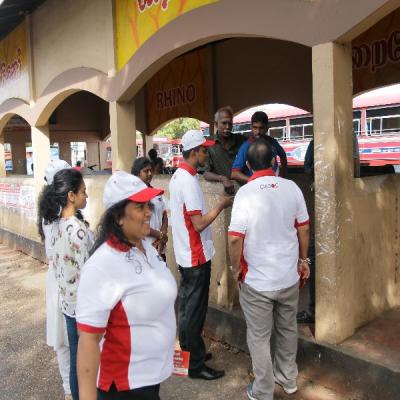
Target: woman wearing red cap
[{"x": 125, "y": 301}]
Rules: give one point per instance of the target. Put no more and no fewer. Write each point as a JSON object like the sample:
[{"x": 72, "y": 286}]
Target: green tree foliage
[{"x": 177, "y": 127}]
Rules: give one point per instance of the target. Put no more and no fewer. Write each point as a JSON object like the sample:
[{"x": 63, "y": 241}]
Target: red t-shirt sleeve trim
[
  {"x": 90, "y": 329},
  {"x": 194, "y": 212},
  {"x": 297, "y": 224},
  {"x": 238, "y": 234}
]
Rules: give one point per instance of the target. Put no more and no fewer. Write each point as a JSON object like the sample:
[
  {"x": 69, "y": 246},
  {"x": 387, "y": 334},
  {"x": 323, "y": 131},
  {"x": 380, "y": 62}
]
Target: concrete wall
[
  {"x": 223, "y": 289},
  {"x": 369, "y": 249},
  {"x": 71, "y": 34}
]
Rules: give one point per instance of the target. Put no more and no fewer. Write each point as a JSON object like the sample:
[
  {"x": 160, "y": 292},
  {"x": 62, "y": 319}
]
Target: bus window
[
  {"x": 357, "y": 126},
  {"x": 277, "y": 133}
]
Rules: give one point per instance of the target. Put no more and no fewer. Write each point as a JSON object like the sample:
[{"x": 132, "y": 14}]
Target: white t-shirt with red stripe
[
  {"x": 129, "y": 296},
  {"x": 266, "y": 212},
  {"x": 186, "y": 198}
]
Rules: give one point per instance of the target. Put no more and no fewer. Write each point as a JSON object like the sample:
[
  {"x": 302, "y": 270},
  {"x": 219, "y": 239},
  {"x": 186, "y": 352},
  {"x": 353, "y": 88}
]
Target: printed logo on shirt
[{"x": 269, "y": 186}]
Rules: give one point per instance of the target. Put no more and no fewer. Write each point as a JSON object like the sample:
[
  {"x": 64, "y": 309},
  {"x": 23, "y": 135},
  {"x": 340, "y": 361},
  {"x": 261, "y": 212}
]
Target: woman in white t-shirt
[
  {"x": 125, "y": 301},
  {"x": 158, "y": 237},
  {"x": 67, "y": 235}
]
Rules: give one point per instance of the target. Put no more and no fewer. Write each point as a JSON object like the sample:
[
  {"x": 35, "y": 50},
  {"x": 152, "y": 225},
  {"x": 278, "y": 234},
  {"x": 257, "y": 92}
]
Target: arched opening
[
  {"x": 376, "y": 122},
  {"x": 18, "y": 147},
  {"x": 78, "y": 130}
]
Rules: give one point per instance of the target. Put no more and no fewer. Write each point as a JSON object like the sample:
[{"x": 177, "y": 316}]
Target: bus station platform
[
  {"x": 344, "y": 372},
  {"x": 367, "y": 364}
]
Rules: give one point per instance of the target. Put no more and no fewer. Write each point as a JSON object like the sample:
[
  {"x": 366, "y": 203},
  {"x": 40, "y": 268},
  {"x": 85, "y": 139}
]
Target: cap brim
[
  {"x": 146, "y": 195},
  {"x": 208, "y": 143}
]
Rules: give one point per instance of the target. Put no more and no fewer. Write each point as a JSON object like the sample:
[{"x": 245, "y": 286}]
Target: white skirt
[{"x": 56, "y": 331}]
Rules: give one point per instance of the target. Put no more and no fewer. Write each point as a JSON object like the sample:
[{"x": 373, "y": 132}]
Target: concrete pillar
[
  {"x": 41, "y": 152},
  {"x": 2, "y": 157},
  {"x": 64, "y": 149},
  {"x": 123, "y": 135},
  {"x": 332, "y": 98},
  {"x": 18, "y": 154},
  {"x": 92, "y": 154},
  {"x": 103, "y": 155},
  {"x": 147, "y": 144}
]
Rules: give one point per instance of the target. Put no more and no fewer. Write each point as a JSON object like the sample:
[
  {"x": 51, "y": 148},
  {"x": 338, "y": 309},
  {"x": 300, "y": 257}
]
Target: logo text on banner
[
  {"x": 178, "y": 90},
  {"x": 137, "y": 20},
  {"x": 376, "y": 55},
  {"x": 14, "y": 72}
]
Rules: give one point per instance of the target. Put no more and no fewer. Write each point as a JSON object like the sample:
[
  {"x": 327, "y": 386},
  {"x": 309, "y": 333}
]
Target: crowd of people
[{"x": 111, "y": 295}]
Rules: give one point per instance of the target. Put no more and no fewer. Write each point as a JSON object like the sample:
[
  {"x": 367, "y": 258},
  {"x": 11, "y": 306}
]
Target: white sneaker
[
  {"x": 286, "y": 389},
  {"x": 290, "y": 390}
]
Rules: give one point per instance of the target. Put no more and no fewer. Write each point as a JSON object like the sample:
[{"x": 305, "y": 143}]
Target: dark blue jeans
[
  {"x": 72, "y": 332},
  {"x": 144, "y": 393}
]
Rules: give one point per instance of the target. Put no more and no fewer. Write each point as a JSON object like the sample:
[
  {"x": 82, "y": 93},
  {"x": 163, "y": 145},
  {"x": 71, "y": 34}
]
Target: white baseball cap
[
  {"x": 52, "y": 168},
  {"x": 122, "y": 186},
  {"x": 194, "y": 138}
]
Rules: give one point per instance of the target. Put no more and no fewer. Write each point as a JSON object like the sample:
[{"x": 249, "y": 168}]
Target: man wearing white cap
[
  {"x": 193, "y": 249},
  {"x": 56, "y": 333}
]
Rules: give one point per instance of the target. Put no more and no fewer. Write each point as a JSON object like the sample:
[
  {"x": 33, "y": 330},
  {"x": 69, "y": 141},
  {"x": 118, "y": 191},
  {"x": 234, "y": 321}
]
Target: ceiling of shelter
[{"x": 12, "y": 12}]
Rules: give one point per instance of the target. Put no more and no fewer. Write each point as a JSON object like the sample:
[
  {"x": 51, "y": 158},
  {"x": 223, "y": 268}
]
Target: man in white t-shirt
[
  {"x": 193, "y": 249},
  {"x": 268, "y": 243}
]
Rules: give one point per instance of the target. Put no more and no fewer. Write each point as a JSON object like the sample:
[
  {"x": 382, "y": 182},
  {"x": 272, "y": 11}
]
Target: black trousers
[
  {"x": 192, "y": 311},
  {"x": 144, "y": 393}
]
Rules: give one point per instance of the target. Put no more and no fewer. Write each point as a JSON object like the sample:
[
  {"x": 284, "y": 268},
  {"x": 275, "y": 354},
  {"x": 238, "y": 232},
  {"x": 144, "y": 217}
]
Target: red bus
[
  {"x": 376, "y": 122},
  {"x": 170, "y": 150}
]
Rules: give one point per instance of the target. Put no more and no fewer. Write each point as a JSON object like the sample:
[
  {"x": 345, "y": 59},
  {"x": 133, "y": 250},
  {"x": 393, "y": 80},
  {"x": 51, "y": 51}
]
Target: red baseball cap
[{"x": 122, "y": 186}]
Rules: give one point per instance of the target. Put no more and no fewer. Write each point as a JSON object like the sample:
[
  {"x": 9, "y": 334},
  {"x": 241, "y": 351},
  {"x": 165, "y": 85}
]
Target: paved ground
[{"x": 28, "y": 368}]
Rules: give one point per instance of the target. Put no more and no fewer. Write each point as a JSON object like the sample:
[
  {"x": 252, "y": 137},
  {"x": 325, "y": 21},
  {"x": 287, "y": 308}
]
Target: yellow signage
[
  {"x": 138, "y": 20},
  {"x": 14, "y": 74},
  {"x": 180, "y": 89}
]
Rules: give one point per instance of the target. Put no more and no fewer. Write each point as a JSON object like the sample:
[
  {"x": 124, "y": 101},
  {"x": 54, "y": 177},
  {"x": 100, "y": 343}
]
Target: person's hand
[
  {"x": 159, "y": 245},
  {"x": 228, "y": 185},
  {"x": 226, "y": 201},
  {"x": 162, "y": 237},
  {"x": 303, "y": 269},
  {"x": 237, "y": 275}
]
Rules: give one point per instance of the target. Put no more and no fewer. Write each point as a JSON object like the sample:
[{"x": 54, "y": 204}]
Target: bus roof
[{"x": 377, "y": 98}]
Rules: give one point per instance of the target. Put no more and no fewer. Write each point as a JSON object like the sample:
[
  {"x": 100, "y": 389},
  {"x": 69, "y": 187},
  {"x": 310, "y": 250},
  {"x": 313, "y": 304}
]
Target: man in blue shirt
[{"x": 259, "y": 128}]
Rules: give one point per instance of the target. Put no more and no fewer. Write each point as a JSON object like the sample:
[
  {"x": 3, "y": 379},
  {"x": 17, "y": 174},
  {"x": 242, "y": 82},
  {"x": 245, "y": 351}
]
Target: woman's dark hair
[
  {"x": 139, "y": 164},
  {"x": 109, "y": 226},
  {"x": 54, "y": 197}
]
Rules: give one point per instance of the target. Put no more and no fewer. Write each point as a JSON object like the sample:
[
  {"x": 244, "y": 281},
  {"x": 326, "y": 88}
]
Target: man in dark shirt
[{"x": 222, "y": 154}]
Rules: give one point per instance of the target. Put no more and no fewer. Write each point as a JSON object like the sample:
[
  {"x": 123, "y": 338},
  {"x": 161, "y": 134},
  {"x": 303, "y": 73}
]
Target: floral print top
[{"x": 71, "y": 242}]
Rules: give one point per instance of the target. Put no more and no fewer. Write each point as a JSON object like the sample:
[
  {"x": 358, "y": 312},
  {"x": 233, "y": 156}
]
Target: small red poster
[{"x": 181, "y": 363}]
